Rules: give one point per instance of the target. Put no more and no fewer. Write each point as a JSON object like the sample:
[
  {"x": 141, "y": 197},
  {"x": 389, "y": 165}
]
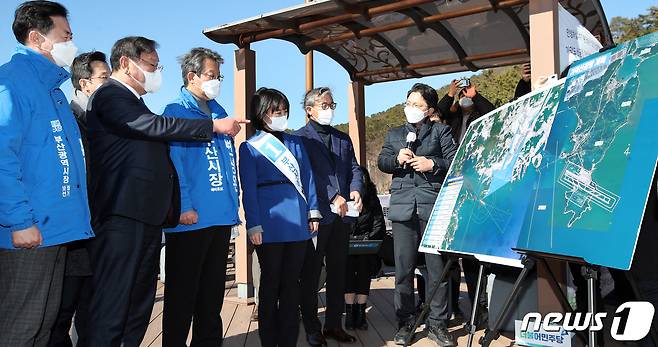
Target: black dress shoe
[
  {"x": 440, "y": 336},
  {"x": 339, "y": 335},
  {"x": 404, "y": 330},
  {"x": 316, "y": 339}
]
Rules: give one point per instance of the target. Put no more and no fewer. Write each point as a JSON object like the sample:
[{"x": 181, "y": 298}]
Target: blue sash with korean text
[{"x": 279, "y": 155}]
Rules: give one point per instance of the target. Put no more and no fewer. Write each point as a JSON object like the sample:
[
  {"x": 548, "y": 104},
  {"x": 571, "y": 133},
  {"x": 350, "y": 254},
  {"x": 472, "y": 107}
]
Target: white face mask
[
  {"x": 63, "y": 52},
  {"x": 211, "y": 88},
  {"x": 152, "y": 80},
  {"x": 278, "y": 123},
  {"x": 325, "y": 116},
  {"x": 414, "y": 114},
  {"x": 466, "y": 102}
]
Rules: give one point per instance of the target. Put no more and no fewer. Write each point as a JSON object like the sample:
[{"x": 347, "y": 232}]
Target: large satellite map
[{"x": 565, "y": 170}]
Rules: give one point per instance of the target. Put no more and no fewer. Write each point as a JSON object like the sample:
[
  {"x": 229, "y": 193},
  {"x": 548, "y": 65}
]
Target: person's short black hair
[
  {"x": 264, "y": 101},
  {"x": 81, "y": 67},
  {"x": 131, "y": 47},
  {"x": 36, "y": 15},
  {"x": 428, "y": 93}
]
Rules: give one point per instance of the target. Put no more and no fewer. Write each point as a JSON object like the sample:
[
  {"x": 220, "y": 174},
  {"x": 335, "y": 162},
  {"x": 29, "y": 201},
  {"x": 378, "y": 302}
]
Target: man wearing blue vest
[
  {"x": 197, "y": 248},
  {"x": 42, "y": 174}
]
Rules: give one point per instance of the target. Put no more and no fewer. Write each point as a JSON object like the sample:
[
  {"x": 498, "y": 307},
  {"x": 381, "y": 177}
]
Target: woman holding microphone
[
  {"x": 281, "y": 212},
  {"x": 418, "y": 155}
]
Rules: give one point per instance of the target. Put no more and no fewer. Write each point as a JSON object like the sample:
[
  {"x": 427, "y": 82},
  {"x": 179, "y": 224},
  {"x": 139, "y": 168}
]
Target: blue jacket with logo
[
  {"x": 42, "y": 165},
  {"x": 207, "y": 171}
]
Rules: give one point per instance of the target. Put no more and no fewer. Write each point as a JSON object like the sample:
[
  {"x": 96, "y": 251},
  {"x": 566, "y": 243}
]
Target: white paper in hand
[{"x": 351, "y": 210}]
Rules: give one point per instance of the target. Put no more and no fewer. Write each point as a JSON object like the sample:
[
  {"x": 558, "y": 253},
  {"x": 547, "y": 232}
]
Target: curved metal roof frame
[
  {"x": 337, "y": 28},
  {"x": 417, "y": 15}
]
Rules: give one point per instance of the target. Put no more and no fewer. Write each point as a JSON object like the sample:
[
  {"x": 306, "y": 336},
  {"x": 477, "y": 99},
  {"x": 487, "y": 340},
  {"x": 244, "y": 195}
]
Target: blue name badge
[{"x": 273, "y": 150}]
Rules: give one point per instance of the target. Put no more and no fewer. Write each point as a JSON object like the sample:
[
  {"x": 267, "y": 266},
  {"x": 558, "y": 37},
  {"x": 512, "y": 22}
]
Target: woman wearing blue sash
[{"x": 281, "y": 212}]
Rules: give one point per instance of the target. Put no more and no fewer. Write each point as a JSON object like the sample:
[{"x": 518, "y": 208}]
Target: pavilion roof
[{"x": 385, "y": 40}]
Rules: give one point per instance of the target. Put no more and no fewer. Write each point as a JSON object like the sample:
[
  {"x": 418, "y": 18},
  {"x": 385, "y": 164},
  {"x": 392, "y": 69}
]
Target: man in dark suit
[
  {"x": 135, "y": 191},
  {"x": 338, "y": 179}
]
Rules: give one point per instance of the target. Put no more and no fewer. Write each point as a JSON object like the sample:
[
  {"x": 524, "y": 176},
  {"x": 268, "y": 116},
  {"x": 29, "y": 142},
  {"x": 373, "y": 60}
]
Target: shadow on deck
[{"x": 240, "y": 331}]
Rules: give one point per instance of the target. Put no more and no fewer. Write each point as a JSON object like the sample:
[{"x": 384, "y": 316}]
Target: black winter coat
[
  {"x": 370, "y": 224},
  {"x": 481, "y": 107},
  {"x": 411, "y": 191}
]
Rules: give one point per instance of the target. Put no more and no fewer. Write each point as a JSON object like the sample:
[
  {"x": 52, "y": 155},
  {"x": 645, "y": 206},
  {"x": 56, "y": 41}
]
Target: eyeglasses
[
  {"x": 157, "y": 67},
  {"x": 422, "y": 107},
  {"x": 211, "y": 76},
  {"x": 99, "y": 77},
  {"x": 325, "y": 106}
]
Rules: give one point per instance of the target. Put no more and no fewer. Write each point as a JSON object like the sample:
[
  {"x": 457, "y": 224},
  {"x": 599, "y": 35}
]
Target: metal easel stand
[
  {"x": 494, "y": 333},
  {"x": 471, "y": 326},
  {"x": 591, "y": 275},
  {"x": 529, "y": 261}
]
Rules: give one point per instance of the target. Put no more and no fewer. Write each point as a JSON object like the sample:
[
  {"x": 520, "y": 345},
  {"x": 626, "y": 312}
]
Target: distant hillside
[{"x": 497, "y": 85}]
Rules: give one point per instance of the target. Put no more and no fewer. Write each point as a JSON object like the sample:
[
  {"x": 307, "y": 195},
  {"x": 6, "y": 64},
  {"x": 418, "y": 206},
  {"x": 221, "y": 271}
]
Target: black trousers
[
  {"x": 279, "y": 292},
  {"x": 333, "y": 242},
  {"x": 124, "y": 259},
  {"x": 357, "y": 274},
  {"x": 406, "y": 238},
  {"x": 195, "y": 265},
  {"x": 76, "y": 294},
  {"x": 30, "y": 293}
]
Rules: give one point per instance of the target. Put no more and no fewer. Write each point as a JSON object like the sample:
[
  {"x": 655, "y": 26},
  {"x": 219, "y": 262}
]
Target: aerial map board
[{"x": 565, "y": 170}]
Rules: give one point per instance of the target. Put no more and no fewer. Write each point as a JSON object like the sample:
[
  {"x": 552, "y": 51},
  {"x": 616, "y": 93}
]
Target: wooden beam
[
  {"x": 545, "y": 61},
  {"x": 309, "y": 70},
  {"x": 489, "y": 66},
  {"x": 348, "y": 35},
  {"x": 244, "y": 88},
  {"x": 494, "y": 55},
  {"x": 347, "y": 17},
  {"x": 356, "y": 114}
]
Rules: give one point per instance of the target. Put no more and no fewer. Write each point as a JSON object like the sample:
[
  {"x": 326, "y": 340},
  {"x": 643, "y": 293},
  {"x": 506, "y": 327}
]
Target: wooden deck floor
[{"x": 240, "y": 331}]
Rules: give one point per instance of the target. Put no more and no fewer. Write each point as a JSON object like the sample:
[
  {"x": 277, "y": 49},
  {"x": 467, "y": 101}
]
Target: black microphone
[{"x": 411, "y": 138}]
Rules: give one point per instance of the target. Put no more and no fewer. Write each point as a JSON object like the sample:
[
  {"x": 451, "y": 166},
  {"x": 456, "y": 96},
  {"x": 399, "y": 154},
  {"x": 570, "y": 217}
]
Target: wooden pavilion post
[
  {"x": 309, "y": 66},
  {"x": 356, "y": 114},
  {"x": 309, "y": 71},
  {"x": 545, "y": 61},
  {"x": 544, "y": 36},
  {"x": 244, "y": 87}
]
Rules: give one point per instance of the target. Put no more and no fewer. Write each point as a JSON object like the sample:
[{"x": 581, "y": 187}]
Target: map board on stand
[{"x": 565, "y": 170}]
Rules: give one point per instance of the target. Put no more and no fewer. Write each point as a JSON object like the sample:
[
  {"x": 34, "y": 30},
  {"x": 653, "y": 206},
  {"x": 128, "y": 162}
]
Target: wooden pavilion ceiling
[{"x": 385, "y": 40}]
